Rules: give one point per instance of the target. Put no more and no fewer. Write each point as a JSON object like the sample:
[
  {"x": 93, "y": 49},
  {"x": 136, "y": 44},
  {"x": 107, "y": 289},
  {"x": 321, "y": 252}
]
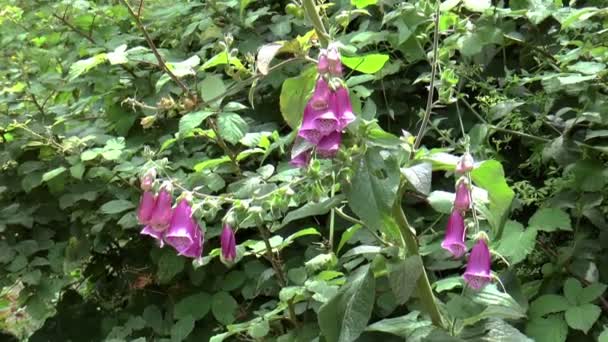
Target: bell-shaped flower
[
  {"x": 161, "y": 216},
  {"x": 333, "y": 58},
  {"x": 454, "y": 235},
  {"x": 147, "y": 180},
  {"x": 182, "y": 230},
  {"x": 146, "y": 207},
  {"x": 323, "y": 65},
  {"x": 344, "y": 108},
  {"x": 156, "y": 234},
  {"x": 301, "y": 159},
  {"x": 321, "y": 95},
  {"x": 317, "y": 123},
  {"x": 462, "y": 202},
  {"x": 196, "y": 248},
  {"x": 328, "y": 145},
  {"x": 478, "y": 272},
  {"x": 465, "y": 163},
  {"x": 228, "y": 243}
]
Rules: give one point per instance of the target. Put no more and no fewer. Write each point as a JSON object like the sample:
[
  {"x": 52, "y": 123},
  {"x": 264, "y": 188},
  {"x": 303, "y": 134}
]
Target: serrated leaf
[
  {"x": 191, "y": 121},
  {"x": 419, "y": 176},
  {"x": 169, "y": 265},
  {"x": 223, "y": 307},
  {"x": 84, "y": 65},
  {"x": 583, "y": 317},
  {"x": 367, "y": 64},
  {"x": 547, "y": 304},
  {"x": 550, "y": 219},
  {"x": 313, "y": 209},
  {"x": 116, "y": 206},
  {"x": 212, "y": 88},
  {"x": 196, "y": 305},
  {"x": 591, "y": 293},
  {"x": 403, "y": 277},
  {"x": 232, "y": 127},
  {"x": 550, "y": 329},
  {"x": 516, "y": 243}
]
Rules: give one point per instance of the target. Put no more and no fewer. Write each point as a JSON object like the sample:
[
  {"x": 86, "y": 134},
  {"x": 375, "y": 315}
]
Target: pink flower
[
  {"x": 323, "y": 66},
  {"x": 344, "y": 109},
  {"x": 454, "y": 235},
  {"x": 161, "y": 216},
  {"x": 147, "y": 180},
  {"x": 465, "y": 163},
  {"x": 320, "y": 97},
  {"x": 333, "y": 58},
  {"x": 478, "y": 272},
  {"x": 317, "y": 123},
  {"x": 228, "y": 242},
  {"x": 301, "y": 159},
  {"x": 158, "y": 235},
  {"x": 182, "y": 232},
  {"x": 196, "y": 248},
  {"x": 462, "y": 202},
  {"x": 146, "y": 207},
  {"x": 328, "y": 146}
]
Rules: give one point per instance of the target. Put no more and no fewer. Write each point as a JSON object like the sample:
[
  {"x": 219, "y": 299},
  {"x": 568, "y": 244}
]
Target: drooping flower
[
  {"x": 323, "y": 65},
  {"x": 181, "y": 234},
  {"x": 146, "y": 207},
  {"x": 147, "y": 180},
  {"x": 465, "y": 163},
  {"x": 478, "y": 272},
  {"x": 228, "y": 242},
  {"x": 333, "y": 58},
  {"x": 156, "y": 234},
  {"x": 321, "y": 95},
  {"x": 317, "y": 123},
  {"x": 462, "y": 202},
  {"x": 301, "y": 159},
  {"x": 196, "y": 248},
  {"x": 161, "y": 216},
  {"x": 454, "y": 235},
  {"x": 344, "y": 109},
  {"x": 328, "y": 145}
]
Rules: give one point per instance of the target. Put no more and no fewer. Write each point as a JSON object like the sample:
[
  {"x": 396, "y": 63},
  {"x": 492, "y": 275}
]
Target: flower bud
[
  {"x": 147, "y": 180},
  {"x": 465, "y": 164}
]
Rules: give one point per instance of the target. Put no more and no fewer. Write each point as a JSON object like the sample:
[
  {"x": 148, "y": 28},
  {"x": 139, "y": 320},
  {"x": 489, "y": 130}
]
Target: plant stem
[
  {"x": 315, "y": 19},
  {"x": 423, "y": 286},
  {"x": 220, "y": 141}
]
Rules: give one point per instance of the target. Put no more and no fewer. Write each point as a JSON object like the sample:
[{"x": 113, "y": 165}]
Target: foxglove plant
[
  {"x": 146, "y": 207},
  {"x": 462, "y": 202},
  {"x": 228, "y": 243},
  {"x": 161, "y": 216},
  {"x": 478, "y": 272},
  {"x": 184, "y": 234},
  {"x": 454, "y": 236},
  {"x": 147, "y": 180}
]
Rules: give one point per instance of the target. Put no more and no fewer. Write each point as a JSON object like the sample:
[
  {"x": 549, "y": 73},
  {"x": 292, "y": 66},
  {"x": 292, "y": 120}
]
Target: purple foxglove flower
[
  {"x": 182, "y": 230},
  {"x": 320, "y": 97},
  {"x": 301, "y": 159},
  {"x": 161, "y": 216},
  {"x": 158, "y": 235},
  {"x": 454, "y": 235},
  {"x": 333, "y": 57},
  {"x": 344, "y": 109},
  {"x": 146, "y": 207},
  {"x": 328, "y": 146},
  {"x": 147, "y": 180},
  {"x": 228, "y": 243},
  {"x": 317, "y": 123},
  {"x": 462, "y": 202},
  {"x": 478, "y": 272},
  {"x": 465, "y": 163},
  {"x": 323, "y": 66},
  {"x": 196, "y": 248}
]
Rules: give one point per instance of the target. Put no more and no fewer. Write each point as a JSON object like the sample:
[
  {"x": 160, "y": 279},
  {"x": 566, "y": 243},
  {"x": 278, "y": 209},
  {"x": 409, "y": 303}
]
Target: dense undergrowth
[{"x": 361, "y": 237}]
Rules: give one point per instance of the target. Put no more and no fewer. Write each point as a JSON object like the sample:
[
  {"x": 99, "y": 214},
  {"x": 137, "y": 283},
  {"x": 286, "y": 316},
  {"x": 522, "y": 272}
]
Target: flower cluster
[
  {"x": 478, "y": 272},
  {"x": 173, "y": 226},
  {"x": 326, "y": 114}
]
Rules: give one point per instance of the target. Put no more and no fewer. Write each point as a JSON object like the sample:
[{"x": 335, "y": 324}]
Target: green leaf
[
  {"x": 191, "y": 121},
  {"x": 345, "y": 316},
  {"x": 498, "y": 305},
  {"x": 363, "y": 3},
  {"x": 548, "y": 304},
  {"x": 419, "y": 176},
  {"x": 583, "y": 317},
  {"x": 77, "y": 171},
  {"x": 259, "y": 329},
  {"x": 550, "y": 219},
  {"x": 441, "y": 201},
  {"x": 516, "y": 243},
  {"x": 447, "y": 284},
  {"x": 232, "y": 127},
  {"x": 550, "y": 329},
  {"x": 116, "y": 206},
  {"x": 491, "y": 177},
  {"x": 405, "y": 326},
  {"x": 591, "y": 293},
  {"x": 603, "y": 336},
  {"x": 182, "y": 328},
  {"x": 196, "y": 305},
  {"x": 403, "y": 276},
  {"x": 294, "y": 95},
  {"x": 84, "y": 65},
  {"x": 588, "y": 68},
  {"x": 222, "y": 58},
  {"x": 347, "y": 235},
  {"x": 313, "y": 209},
  {"x": 184, "y": 68},
  {"x": 47, "y": 176},
  {"x": 211, "y": 163},
  {"x": 367, "y": 64},
  {"x": 153, "y": 318},
  {"x": 223, "y": 307},
  {"x": 373, "y": 188},
  {"x": 572, "y": 290},
  {"x": 212, "y": 88},
  {"x": 477, "y": 5},
  {"x": 169, "y": 265}
]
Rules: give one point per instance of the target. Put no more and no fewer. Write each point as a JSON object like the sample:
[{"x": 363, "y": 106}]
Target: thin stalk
[
  {"x": 315, "y": 19},
  {"x": 332, "y": 215}
]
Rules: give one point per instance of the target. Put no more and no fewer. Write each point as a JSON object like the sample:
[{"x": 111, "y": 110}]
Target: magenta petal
[
  {"x": 309, "y": 130},
  {"x": 328, "y": 146},
  {"x": 146, "y": 207},
  {"x": 323, "y": 66},
  {"x": 333, "y": 58},
  {"x": 228, "y": 243},
  {"x": 465, "y": 163},
  {"x": 320, "y": 97},
  {"x": 153, "y": 233},
  {"x": 161, "y": 217},
  {"x": 326, "y": 122},
  {"x": 478, "y": 272},
  {"x": 302, "y": 159},
  {"x": 181, "y": 232},
  {"x": 454, "y": 235},
  {"x": 344, "y": 109},
  {"x": 462, "y": 202},
  {"x": 196, "y": 248}
]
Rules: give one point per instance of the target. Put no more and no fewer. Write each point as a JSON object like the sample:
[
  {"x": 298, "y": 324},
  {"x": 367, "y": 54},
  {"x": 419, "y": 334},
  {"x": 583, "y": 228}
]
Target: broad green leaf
[
  {"x": 84, "y": 65},
  {"x": 491, "y": 177},
  {"x": 47, "y": 176},
  {"x": 211, "y": 163},
  {"x": 169, "y": 265},
  {"x": 153, "y": 317},
  {"x": 184, "y": 68},
  {"x": 404, "y": 326},
  {"x": 539, "y": 10},
  {"x": 347, "y": 235},
  {"x": 603, "y": 336},
  {"x": 583, "y": 317},
  {"x": 367, "y": 64},
  {"x": 572, "y": 290},
  {"x": 419, "y": 177},
  {"x": 118, "y": 56},
  {"x": 403, "y": 276},
  {"x": 587, "y": 68},
  {"x": 447, "y": 284},
  {"x": 550, "y": 219},
  {"x": 550, "y": 329},
  {"x": 232, "y": 127},
  {"x": 116, "y": 206},
  {"x": 477, "y": 5},
  {"x": 266, "y": 55},
  {"x": 591, "y": 293},
  {"x": 222, "y": 58},
  {"x": 498, "y": 305},
  {"x": 346, "y": 315},
  {"x": 196, "y": 306},
  {"x": 363, "y": 3},
  {"x": 191, "y": 121},
  {"x": 259, "y": 329},
  {"x": 294, "y": 95},
  {"x": 182, "y": 328},
  {"x": 547, "y": 304},
  {"x": 212, "y": 88},
  {"x": 516, "y": 243},
  {"x": 223, "y": 307},
  {"x": 313, "y": 209}
]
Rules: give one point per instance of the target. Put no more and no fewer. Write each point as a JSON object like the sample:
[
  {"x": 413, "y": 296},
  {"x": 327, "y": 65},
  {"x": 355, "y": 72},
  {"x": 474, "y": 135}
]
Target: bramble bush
[{"x": 356, "y": 170}]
